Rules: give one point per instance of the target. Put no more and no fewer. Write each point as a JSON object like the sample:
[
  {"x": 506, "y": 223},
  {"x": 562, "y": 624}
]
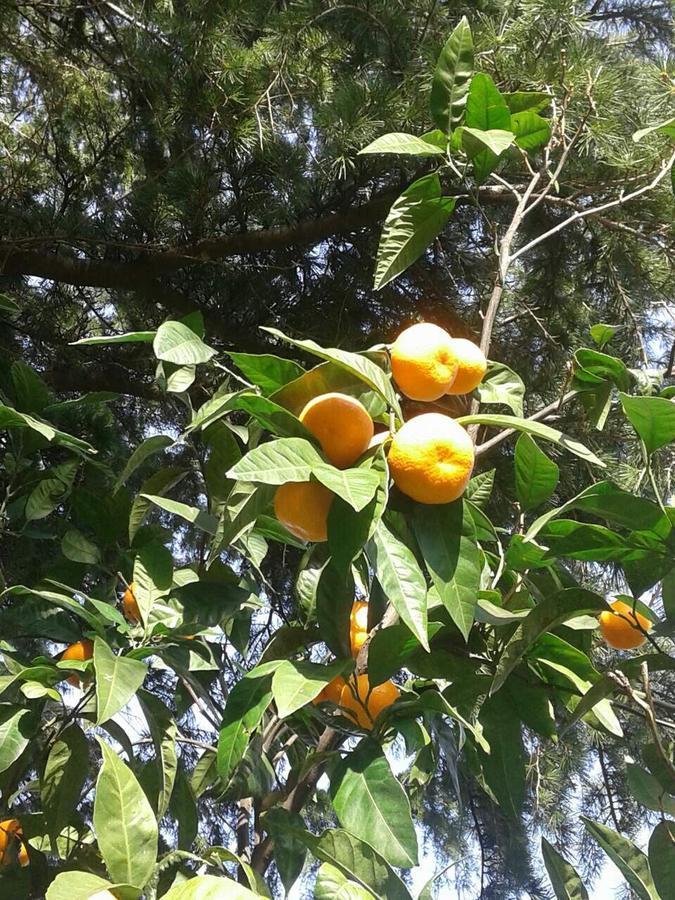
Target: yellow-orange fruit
[
  {"x": 130, "y": 607},
  {"x": 331, "y": 692},
  {"x": 423, "y": 361},
  {"x": 80, "y": 650},
  {"x": 362, "y": 707},
  {"x": 431, "y": 458},
  {"x": 341, "y": 424},
  {"x": 471, "y": 368},
  {"x": 10, "y": 834},
  {"x": 358, "y": 626},
  {"x": 619, "y": 627},
  {"x": 303, "y": 508}
]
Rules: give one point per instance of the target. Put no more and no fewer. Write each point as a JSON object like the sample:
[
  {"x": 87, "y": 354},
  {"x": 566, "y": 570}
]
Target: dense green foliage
[{"x": 186, "y": 172}]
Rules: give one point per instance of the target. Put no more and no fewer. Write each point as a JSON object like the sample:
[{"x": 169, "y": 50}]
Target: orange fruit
[
  {"x": 302, "y": 507},
  {"x": 80, "y": 650},
  {"x": 331, "y": 692},
  {"x": 423, "y": 361},
  {"x": 342, "y": 426},
  {"x": 619, "y": 627},
  {"x": 358, "y": 626},
  {"x": 472, "y": 366},
  {"x": 362, "y": 707},
  {"x": 130, "y": 607},
  {"x": 431, "y": 458},
  {"x": 10, "y": 832}
]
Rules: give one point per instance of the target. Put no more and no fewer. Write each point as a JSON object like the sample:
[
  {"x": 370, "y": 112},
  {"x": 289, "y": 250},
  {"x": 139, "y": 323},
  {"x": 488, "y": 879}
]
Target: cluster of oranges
[{"x": 431, "y": 457}]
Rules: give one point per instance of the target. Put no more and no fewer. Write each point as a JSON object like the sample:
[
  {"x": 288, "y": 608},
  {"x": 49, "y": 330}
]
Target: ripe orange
[
  {"x": 619, "y": 628},
  {"x": 130, "y": 607},
  {"x": 331, "y": 692},
  {"x": 361, "y": 707},
  {"x": 11, "y": 832},
  {"x": 472, "y": 366},
  {"x": 431, "y": 458},
  {"x": 303, "y": 508},
  {"x": 342, "y": 426},
  {"x": 423, "y": 361},
  {"x": 358, "y": 626},
  {"x": 80, "y": 650}
]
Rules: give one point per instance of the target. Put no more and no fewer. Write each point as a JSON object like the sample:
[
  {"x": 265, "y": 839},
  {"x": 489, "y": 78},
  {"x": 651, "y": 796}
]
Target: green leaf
[
  {"x": 416, "y": 217},
  {"x": 199, "y": 517},
  {"x": 85, "y": 400},
  {"x": 31, "y": 394},
  {"x": 271, "y": 416},
  {"x": 175, "y": 379},
  {"x": 519, "y": 101},
  {"x": 647, "y": 790},
  {"x": 324, "y": 379},
  {"x": 479, "y": 489},
  {"x": 63, "y": 778},
  {"x": 668, "y": 595},
  {"x": 476, "y": 141},
  {"x": 129, "y": 849},
  {"x": 358, "y": 861},
  {"x": 8, "y": 305},
  {"x": 210, "y": 887},
  {"x": 153, "y": 576},
  {"x": 564, "y": 878},
  {"x": 653, "y": 418},
  {"x": 401, "y": 579},
  {"x": 290, "y": 851},
  {"x": 163, "y": 480},
  {"x": 371, "y": 804},
  {"x": 14, "y": 734},
  {"x": 592, "y": 368},
  {"x": 662, "y": 857},
  {"x": 163, "y": 732},
  {"x": 75, "y": 546},
  {"x": 536, "y": 475},
  {"x": 486, "y": 111},
  {"x": 357, "y": 487},
  {"x": 504, "y": 766},
  {"x": 52, "y": 491},
  {"x": 331, "y": 884},
  {"x": 296, "y": 683},
  {"x": 178, "y": 344},
  {"x": 447, "y": 537},
  {"x": 531, "y": 130},
  {"x": 130, "y": 337},
  {"x": 501, "y": 384},
  {"x": 450, "y": 84},
  {"x": 245, "y": 707},
  {"x": 12, "y": 418},
  {"x": 148, "y": 448},
  {"x": 117, "y": 680},
  {"x": 356, "y": 364},
  {"x": 270, "y": 373},
  {"x": 538, "y": 430},
  {"x": 667, "y": 127},
  {"x": 399, "y": 142},
  {"x": 631, "y": 861},
  {"x": 545, "y": 616},
  {"x": 602, "y": 334},
  {"x": 84, "y": 886}
]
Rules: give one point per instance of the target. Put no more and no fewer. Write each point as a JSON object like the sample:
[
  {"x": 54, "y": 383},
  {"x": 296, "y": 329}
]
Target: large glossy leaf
[
  {"x": 325, "y": 378},
  {"x": 545, "y": 616},
  {"x": 538, "y": 430},
  {"x": 501, "y": 384},
  {"x": 564, "y": 878},
  {"x": 486, "y": 109},
  {"x": 356, "y": 364},
  {"x": 477, "y": 142},
  {"x": 450, "y": 84},
  {"x": 12, "y": 418},
  {"x": 371, "y": 804},
  {"x": 332, "y": 884},
  {"x": 653, "y": 418},
  {"x": 84, "y": 886},
  {"x": 210, "y": 887},
  {"x": 406, "y": 144},
  {"x": 518, "y": 101},
  {"x": 153, "y": 576},
  {"x": 296, "y": 683},
  {"x": 163, "y": 732},
  {"x": 63, "y": 778},
  {"x": 78, "y": 548},
  {"x": 536, "y": 475},
  {"x": 14, "y": 734},
  {"x": 199, "y": 517},
  {"x": 531, "y": 130},
  {"x": 504, "y": 766},
  {"x": 647, "y": 790},
  {"x": 271, "y": 416},
  {"x": 268, "y": 372},
  {"x": 129, "y": 849},
  {"x": 245, "y": 707},
  {"x": 631, "y": 861},
  {"x": 148, "y": 448},
  {"x": 662, "y": 858},
  {"x": 447, "y": 537},
  {"x": 50, "y": 492},
  {"x": 401, "y": 579},
  {"x": 178, "y": 344},
  {"x": 130, "y": 337},
  {"x": 358, "y": 861},
  {"x": 117, "y": 680},
  {"x": 479, "y": 488},
  {"x": 416, "y": 217},
  {"x": 290, "y": 850}
]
